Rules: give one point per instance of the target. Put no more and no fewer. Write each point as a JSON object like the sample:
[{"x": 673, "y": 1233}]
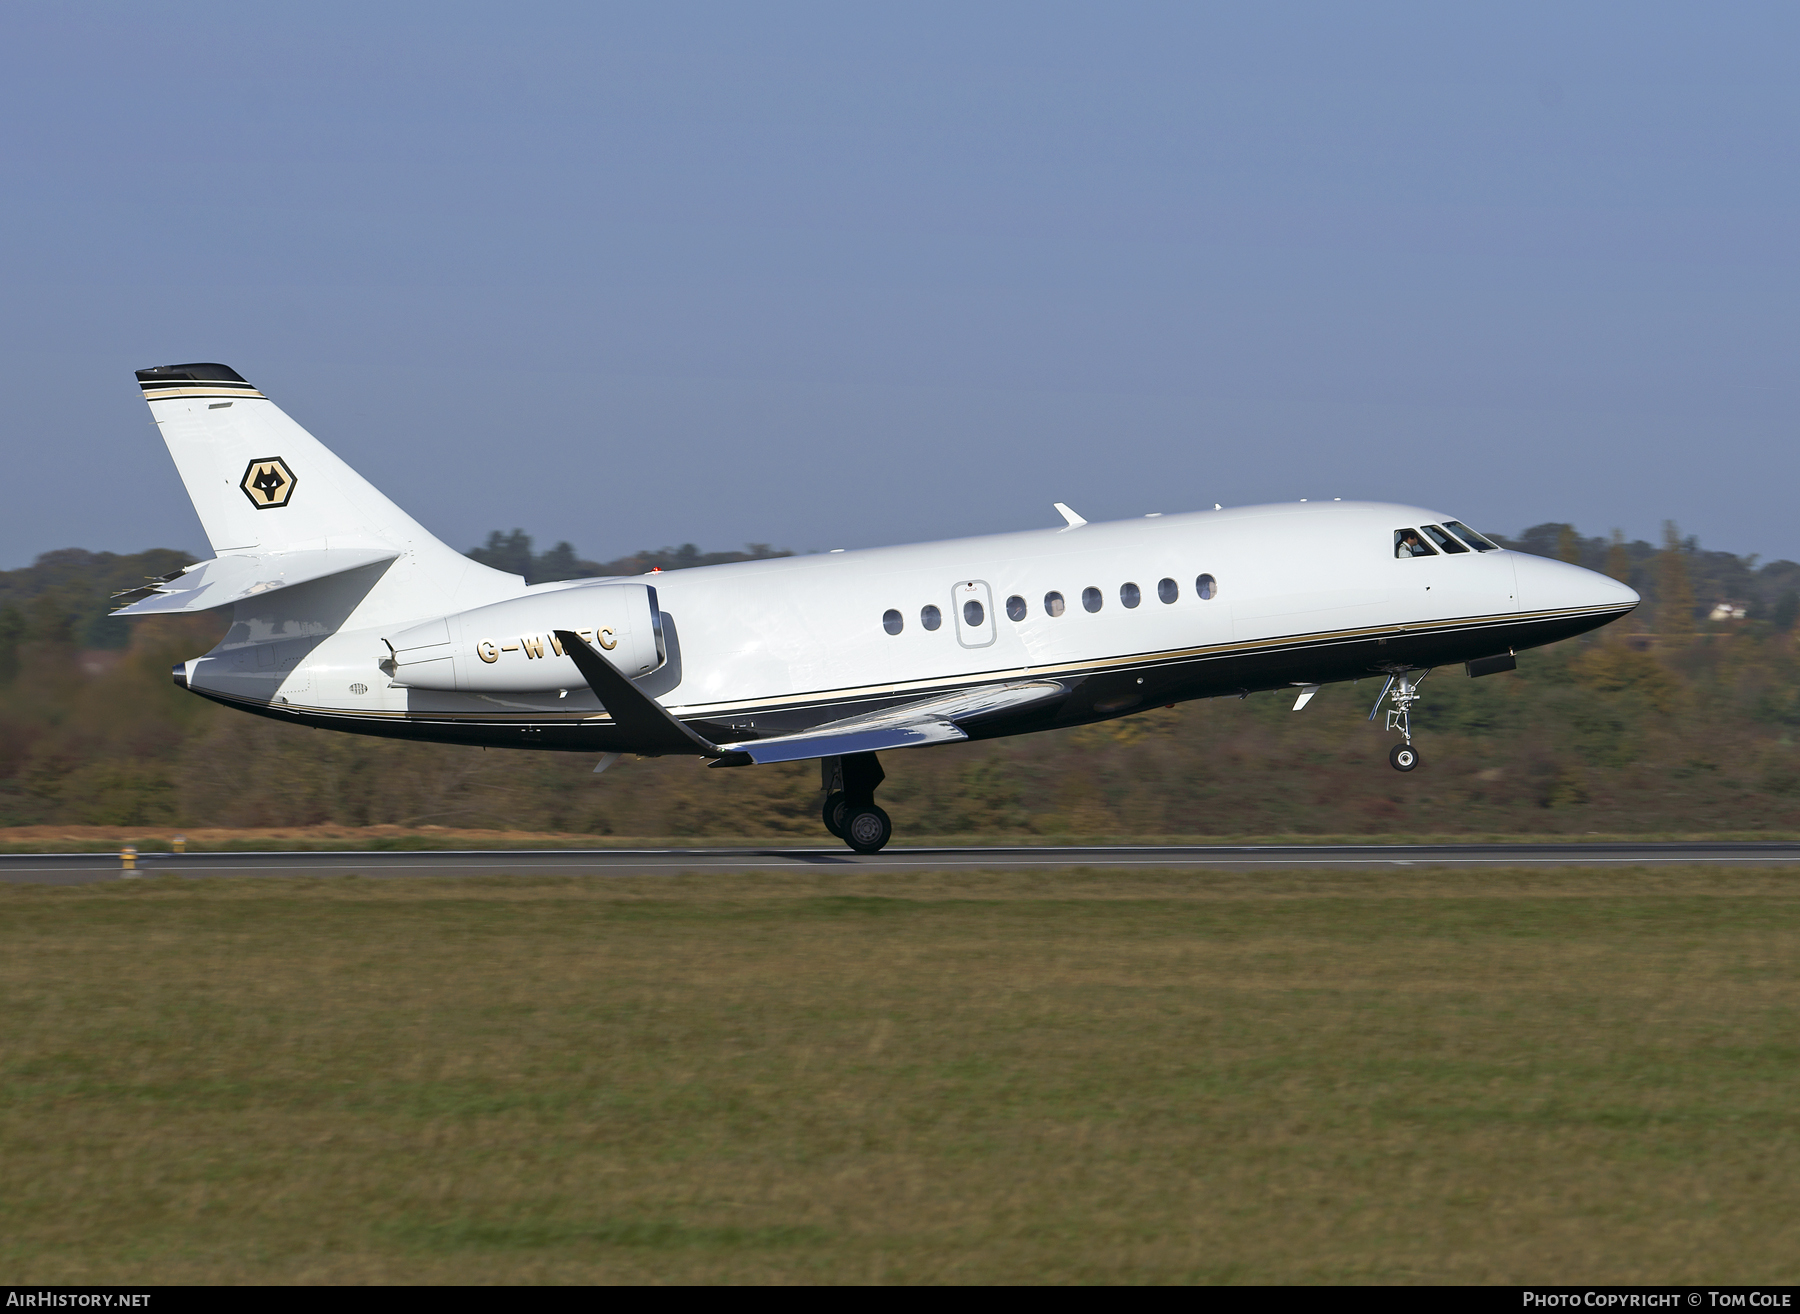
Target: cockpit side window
[
  {"x": 1443, "y": 540},
  {"x": 1408, "y": 543},
  {"x": 1470, "y": 537}
]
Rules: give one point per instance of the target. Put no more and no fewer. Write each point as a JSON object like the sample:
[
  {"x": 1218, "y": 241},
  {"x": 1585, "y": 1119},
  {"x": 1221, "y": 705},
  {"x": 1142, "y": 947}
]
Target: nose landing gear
[
  {"x": 850, "y": 811},
  {"x": 1403, "y": 690}
]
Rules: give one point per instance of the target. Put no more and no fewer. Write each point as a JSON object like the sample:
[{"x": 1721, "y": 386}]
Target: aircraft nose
[{"x": 1546, "y": 585}]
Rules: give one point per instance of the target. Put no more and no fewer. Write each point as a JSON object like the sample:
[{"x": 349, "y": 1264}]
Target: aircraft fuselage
[{"x": 1303, "y": 593}]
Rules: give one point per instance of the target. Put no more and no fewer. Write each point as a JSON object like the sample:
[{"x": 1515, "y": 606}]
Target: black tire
[
  {"x": 834, "y": 813},
  {"x": 1403, "y": 757},
  {"x": 867, "y": 830}
]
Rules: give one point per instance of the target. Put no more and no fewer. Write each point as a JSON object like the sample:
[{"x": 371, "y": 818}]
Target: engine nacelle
[{"x": 511, "y": 647}]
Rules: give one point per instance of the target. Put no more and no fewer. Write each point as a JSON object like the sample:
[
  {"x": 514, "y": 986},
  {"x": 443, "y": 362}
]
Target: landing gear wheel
[
  {"x": 867, "y": 830},
  {"x": 1404, "y": 757},
  {"x": 834, "y": 812}
]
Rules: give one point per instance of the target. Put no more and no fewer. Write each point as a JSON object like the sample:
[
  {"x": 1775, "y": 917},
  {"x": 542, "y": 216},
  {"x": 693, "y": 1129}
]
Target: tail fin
[
  {"x": 258, "y": 480},
  {"x": 263, "y": 485}
]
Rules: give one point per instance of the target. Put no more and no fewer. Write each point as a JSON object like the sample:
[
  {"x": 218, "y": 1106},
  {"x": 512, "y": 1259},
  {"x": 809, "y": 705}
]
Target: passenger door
[{"x": 972, "y": 603}]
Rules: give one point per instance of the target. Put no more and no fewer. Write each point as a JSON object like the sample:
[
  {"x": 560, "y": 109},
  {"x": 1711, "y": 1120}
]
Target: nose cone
[{"x": 1546, "y": 585}]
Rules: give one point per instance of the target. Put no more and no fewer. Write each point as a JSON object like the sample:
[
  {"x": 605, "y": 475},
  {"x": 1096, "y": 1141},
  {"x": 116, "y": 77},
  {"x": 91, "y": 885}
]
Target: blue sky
[{"x": 834, "y": 277}]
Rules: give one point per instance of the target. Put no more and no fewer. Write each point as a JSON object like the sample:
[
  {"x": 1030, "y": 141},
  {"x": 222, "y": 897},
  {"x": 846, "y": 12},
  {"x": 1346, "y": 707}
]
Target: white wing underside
[{"x": 934, "y": 720}]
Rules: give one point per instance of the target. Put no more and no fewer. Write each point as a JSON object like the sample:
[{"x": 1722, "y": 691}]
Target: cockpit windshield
[
  {"x": 1443, "y": 540},
  {"x": 1470, "y": 537}
]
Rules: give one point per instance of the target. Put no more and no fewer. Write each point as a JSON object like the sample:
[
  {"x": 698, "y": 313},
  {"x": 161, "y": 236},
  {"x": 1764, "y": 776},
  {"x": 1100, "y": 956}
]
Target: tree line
[
  {"x": 1667, "y": 721},
  {"x": 512, "y": 553}
]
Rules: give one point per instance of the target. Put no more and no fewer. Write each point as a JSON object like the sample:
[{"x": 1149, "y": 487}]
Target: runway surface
[{"x": 86, "y": 868}]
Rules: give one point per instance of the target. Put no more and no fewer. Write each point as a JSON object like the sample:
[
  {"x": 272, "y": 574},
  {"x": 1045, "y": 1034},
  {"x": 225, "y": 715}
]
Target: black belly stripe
[{"x": 583, "y": 729}]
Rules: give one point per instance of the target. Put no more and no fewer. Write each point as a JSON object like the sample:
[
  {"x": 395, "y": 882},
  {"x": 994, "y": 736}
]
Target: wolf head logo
[{"x": 268, "y": 483}]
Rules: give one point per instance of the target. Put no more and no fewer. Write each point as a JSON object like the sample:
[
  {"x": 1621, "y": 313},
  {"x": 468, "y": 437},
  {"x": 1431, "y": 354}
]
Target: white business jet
[{"x": 347, "y": 615}]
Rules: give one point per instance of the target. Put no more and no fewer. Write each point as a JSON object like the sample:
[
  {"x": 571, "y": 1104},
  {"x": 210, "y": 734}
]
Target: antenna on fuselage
[{"x": 1075, "y": 521}]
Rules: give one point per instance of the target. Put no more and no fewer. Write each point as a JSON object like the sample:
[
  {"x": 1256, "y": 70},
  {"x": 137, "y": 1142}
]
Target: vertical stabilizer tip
[
  {"x": 164, "y": 381},
  {"x": 200, "y": 373}
]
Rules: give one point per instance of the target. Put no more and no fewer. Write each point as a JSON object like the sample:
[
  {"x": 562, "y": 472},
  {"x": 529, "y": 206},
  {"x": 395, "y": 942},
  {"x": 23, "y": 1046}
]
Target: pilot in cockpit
[{"x": 1407, "y": 543}]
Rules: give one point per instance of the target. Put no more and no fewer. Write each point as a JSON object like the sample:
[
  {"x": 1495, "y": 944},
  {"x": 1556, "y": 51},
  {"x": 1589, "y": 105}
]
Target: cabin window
[
  {"x": 1129, "y": 595},
  {"x": 930, "y": 617},
  {"x": 1015, "y": 608},
  {"x": 1091, "y": 599},
  {"x": 973, "y": 613},
  {"x": 1470, "y": 537},
  {"x": 1168, "y": 590},
  {"x": 892, "y": 622},
  {"x": 1444, "y": 541},
  {"x": 1053, "y": 604},
  {"x": 1408, "y": 543},
  {"x": 1207, "y": 587}
]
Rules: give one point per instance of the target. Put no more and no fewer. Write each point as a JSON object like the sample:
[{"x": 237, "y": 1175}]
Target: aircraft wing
[
  {"x": 208, "y": 584},
  {"x": 933, "y": 720}
]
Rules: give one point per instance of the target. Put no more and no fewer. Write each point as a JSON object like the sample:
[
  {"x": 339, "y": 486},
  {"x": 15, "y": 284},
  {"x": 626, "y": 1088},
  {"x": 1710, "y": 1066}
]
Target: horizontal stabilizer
[
  {"x": 935, "y": 720},
  {"x": 224, "y": 580}
]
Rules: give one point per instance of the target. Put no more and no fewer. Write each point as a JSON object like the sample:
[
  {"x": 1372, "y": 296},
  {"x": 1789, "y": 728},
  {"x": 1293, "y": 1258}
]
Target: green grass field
[{"x": 1418, "y": 1075}]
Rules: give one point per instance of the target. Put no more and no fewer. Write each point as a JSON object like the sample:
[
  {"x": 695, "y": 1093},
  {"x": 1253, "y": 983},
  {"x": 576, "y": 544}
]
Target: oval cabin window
[
  {"x": 1207, "y": 587},
  {"x": 1129, "y": 595},
  {"x": 891, "y": 621},
  {"x": 1168, "y": 590},
  {"x": 930, "y": 617},
  {"x": 973, "y": 613},
  {"x": 1015, "y": 608},
  {"x": 1091, "y": 599},
  {"x": 1053, "y": 604}
]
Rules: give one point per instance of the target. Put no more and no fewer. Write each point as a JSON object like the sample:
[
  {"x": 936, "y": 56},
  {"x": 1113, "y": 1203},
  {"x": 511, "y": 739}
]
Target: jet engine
[{"x": 511, "y": 647}]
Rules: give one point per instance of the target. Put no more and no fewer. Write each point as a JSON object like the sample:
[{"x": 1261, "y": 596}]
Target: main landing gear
[
  {"x": 850, "y": 811},
  {"x": 1403, "y": 691}
]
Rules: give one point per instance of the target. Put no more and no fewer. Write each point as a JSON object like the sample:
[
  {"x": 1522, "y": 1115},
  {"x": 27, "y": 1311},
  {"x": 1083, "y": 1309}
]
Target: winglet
[
  {"x": 644, "y": 720},
  {"x": 1075, "y": 521}
]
